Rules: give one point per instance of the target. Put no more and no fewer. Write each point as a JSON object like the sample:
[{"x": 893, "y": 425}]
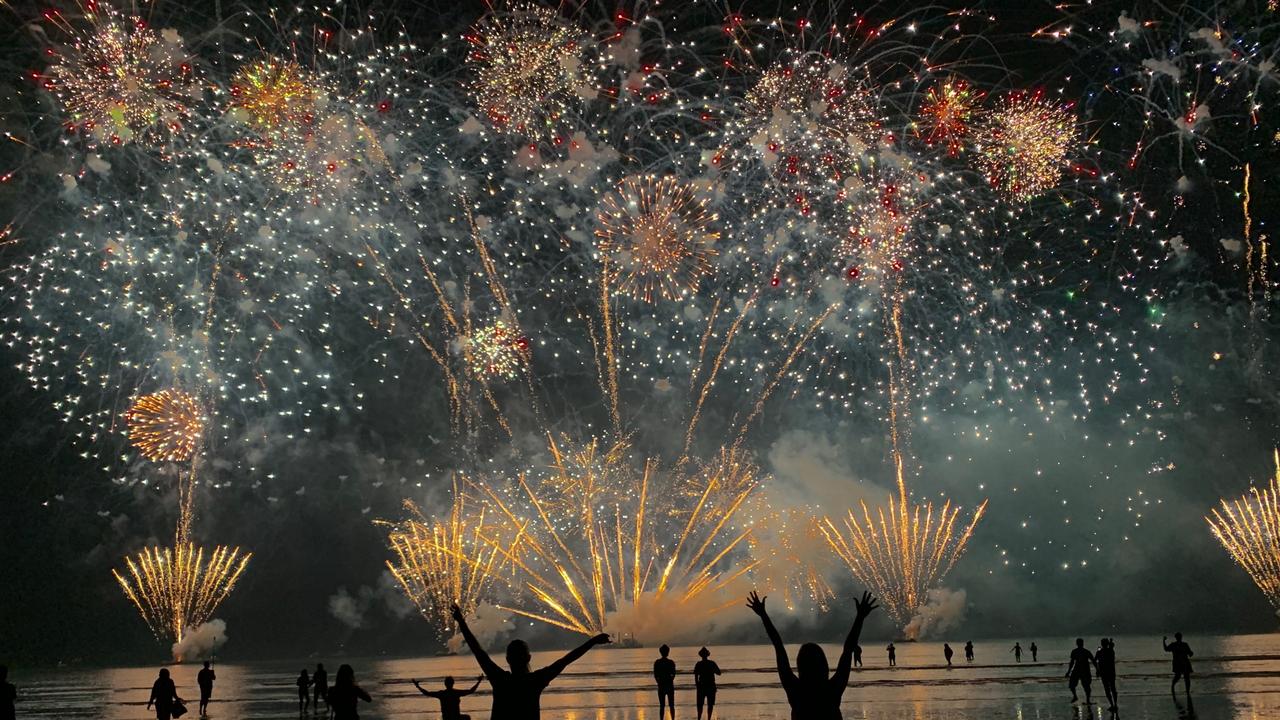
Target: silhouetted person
[
  {"x": 1017, "y": 652},
  {"x": 704, "y": 681},
  {"x": 1034, "y": 650},
  {"x": 516, "y": 693},
  {"x": 968, "y": 651},
  {"x": 857, "y": 656},
  {"x": 164, "y": 696},
  {"x": 450, "y": 699},
  {"x": 893, "y": 655},
  {"x": 1078, "y": 671},
  {"x": 205, "y": 679},
  {"x": 8, "y": 695},
  {"x": 1181, "y": 661},
  {"x": 811, "y": 694},
  {"x": 1105, "y": 660},
  {"x": 344, "y": 695},
  {"x": 664, "y": 674},
  {"x": 304, "y": 691},
  {"x": 320, "y": 687},
  {"x": 947, "y": 652}
]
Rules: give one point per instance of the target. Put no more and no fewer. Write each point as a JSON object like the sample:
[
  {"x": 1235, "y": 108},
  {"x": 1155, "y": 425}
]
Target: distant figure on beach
[
  {"x": 205, "y": 679},
  {"x": 516, "y": 692},
  {"x": 947, "y": 652},
  {"x": 704, "y": 681},
  {"x": 164, "y": 696},
  {"x": 664, "y": 674},
  {"x": 320, "y": 685},
  {"x": 1106, "y": 663},
  {"x": 1017, "y": 651},
  {"x": 968, "y": 651},
  {"x": 857, "y": 656},
  {"x": 345, "y": 695},
  {"x": 450, "y": 699},
  {"x": 1034, "y": 650},
  {"x": 811, "y": 694},
  {"x": 1181, "y": 661},
  {"x": 1078, "y": 672},
  {"x": 893, "y": 655},
  {"x": 304, "y": 691},
  {"x": 8, "y": 695}
]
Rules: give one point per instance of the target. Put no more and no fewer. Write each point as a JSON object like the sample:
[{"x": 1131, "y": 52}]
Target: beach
[{"x": 1237, "y": 677}]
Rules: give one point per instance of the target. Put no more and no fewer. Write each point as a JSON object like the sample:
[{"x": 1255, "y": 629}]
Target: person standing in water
[
  {"x": 857, "y": 656},
  {"x": 811, "y": 694},
  {"x": 664, "y": 674},
  {"x": 345, "y": 695},
  {"x": 947, "y": 652},
  {"x": 1181, "y": 661},
  {"x": 450, "y": 699},
  {"x": 893, "y": 655},
  {"x": 968, "y": 651},
  {"x": 320, "y": 685},
  {"x": 1017, "y": 652},
  {"x": 1033, "y": 649},
  {"x": 517, "y": 692},
  {"x": 304, "y": 691},
  {"x": 164, "y": 696},
  {"x": 1078, "y": 672},
  {"x": 8, "y": 695},
  {"x": 704, "y": 680},
  {"x": 1106, "y": 664},
  {"x": 205, "y": 679}
]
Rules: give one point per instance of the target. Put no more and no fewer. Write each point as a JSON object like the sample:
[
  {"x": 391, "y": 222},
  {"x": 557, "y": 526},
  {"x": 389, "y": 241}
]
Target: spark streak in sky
[{"x": 1249, "y": 529}]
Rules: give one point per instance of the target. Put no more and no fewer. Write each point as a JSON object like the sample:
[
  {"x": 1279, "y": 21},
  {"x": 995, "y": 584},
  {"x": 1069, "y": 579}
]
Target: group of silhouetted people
[{"x": 704, "y": 680}]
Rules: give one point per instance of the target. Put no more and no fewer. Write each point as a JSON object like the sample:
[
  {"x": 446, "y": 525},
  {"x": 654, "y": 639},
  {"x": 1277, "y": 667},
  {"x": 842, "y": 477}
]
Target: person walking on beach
[
  {"x": 345, "y": 695},
  {"x": 893, "y": 655},
  {"x": 450, "y": 699},
  {"x": 1106, "y": 663},
  {"x": 947, "y": 652},
  {"x": 664, "y": 674},
  {"x": 516, "y": 692},
  {"x": 8, "y": 695},
  {"x": 704, "y": 680},
  {"x": 1181, "y": 661},
  {"x": 304, "y": 691},
  {"x": 811, "y": 694},
  {"x": 164, "y": 697},
  {"x": 1078, "y": 672},
  {"x": 205, "y": 679},
  {"x": 1033, "y": 649},
  {"x": 320, "y": 686},
  {"x": 968, "y": 651},
  {"x": 857, "y": 656},
  {"x": 1017, "y": 652}
]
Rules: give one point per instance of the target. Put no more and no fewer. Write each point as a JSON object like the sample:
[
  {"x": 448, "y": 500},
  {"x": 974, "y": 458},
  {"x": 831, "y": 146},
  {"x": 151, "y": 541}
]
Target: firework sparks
[
  {"x": 1022, "y": 147},
  {"x": 272, "y": 92},
  {"x": 1249, "y": 530},
  {"x": 656, "y": 237},
  {"x": 950, "y": 109},
  {"x": 176, "y": 589},
  {"x": 496, "y": 351},
  {"x": 524, "y": 65},
  {"x": 901, "y": 550},
  {"x": 166, "y": 426},
  {"x": 121, "y": 81}
]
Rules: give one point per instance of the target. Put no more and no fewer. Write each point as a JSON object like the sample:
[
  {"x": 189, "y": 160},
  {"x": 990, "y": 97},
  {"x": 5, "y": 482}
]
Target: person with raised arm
[
  {"x": 517, "y": 692},
  {"x": 811, "y": 694},
  {"x": 1181, "y": 661},
  {"x": 450, "y": 699}
]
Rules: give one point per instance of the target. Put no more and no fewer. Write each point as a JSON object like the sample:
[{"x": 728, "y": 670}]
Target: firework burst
[
  {"x": 1249, "y": 530},
  {"x": 166, "y": 426},
  {"x": 949, "y": 111},
  {"x": 656, "y": 237},
  {"x": 271, "y": 92},
  {"x": 496, "y": 351},
  {"x": 177, "y": 589},
  {"x": 1022, "y": 147}
]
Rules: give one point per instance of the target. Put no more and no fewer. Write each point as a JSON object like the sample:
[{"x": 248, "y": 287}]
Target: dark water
[{"x": 1237, "y": 677}]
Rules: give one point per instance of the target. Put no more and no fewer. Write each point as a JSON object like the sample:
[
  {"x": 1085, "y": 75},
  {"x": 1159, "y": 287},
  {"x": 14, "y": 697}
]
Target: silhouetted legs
[
  {"x": 710, "y": 698},
  {"x": 667, "y": 696}
]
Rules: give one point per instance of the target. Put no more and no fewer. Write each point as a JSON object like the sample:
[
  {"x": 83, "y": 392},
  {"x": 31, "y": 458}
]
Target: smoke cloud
[
  {"x": 200, "y": 641},
  {"x": 944, "y": 609}
]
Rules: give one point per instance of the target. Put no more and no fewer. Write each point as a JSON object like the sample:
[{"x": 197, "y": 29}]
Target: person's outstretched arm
[
  {"x": 756, "y": 603},
  {"x": 551, "y": 671},
  {"x": 472, "y": 688},
  {"x": 1165, "y": 642},
  {"x": 151, "y": 700},
  {"x": 423, "y": 690},
  {"x": 865, "y": 606},
  {"x": 360, "y": 693},
  {"x": 490, "y": 668}
]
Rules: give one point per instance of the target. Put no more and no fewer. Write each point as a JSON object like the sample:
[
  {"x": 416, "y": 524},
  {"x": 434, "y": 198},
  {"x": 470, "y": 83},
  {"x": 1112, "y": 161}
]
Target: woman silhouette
[{"x": 813, "y": 695}]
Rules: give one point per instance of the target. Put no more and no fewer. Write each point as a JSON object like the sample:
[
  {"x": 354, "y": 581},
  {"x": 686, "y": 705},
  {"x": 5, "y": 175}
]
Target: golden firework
[
  {"x": 273, "y": 92},
  {"x": 656, "y": 237},
  {"x": 176, "y": 589},
  {"x": 441, "y": 562},
  {"x": 901, "y": 550},
  {"x": 1022, "y": 147},
  {"x": 1249, "y": 528},
  {"x": 166, "y": 426},
  {"x": 496, "y": 351},
  {"x": 950, "y": 110},
  {"x": 525, "y": 68}
]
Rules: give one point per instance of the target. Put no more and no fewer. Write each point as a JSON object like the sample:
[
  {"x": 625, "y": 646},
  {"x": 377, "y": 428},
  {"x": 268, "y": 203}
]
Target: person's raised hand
[
  {"x": 456, "y": 613},
  {"x": 866, "y": 605},
  {"x": 756, "y": 603},
  {"x": 601, "y": 639}
]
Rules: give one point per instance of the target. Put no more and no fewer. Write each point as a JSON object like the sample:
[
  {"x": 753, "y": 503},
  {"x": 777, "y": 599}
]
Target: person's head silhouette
[
  {"x": 448, "y": 681},
  {"x": 811, "y": 663},
  {"x": 704, "y": 653},
  {"x": 518, "y": 656},
  {"x": 319, "y": 667},
  {"x": 1177, "y": 636},
  {"x": 206, "y": 664},
  {"x": 346, "y": 676},
  {"x": 1080, "y": 642},
  {"x": 164, "y": 672},
  {"x": 664, "y": 651}
]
